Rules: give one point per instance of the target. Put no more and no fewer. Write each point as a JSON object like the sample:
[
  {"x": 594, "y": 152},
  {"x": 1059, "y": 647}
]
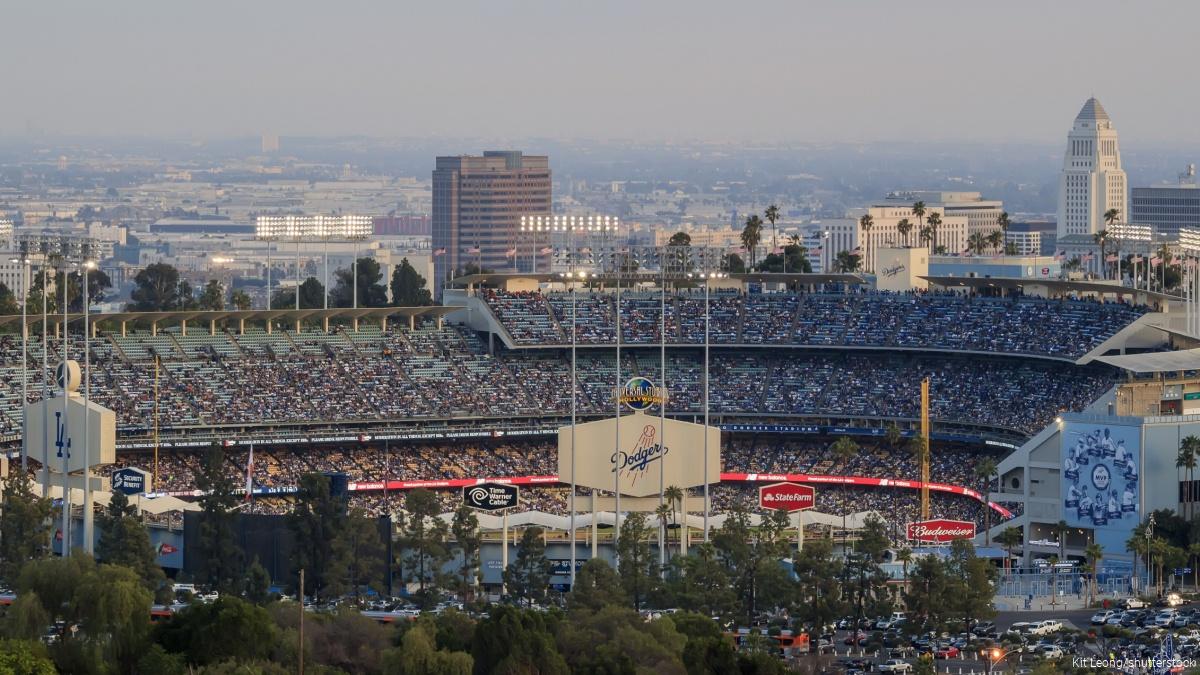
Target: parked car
[
  {"x": 1132, "y": 603},
  {"x": 1046, "y": 627},
  {"x": 983, "y": 628},
  {"x": 946, "y": 652},
  {"x": 1050, "y": 652},
  {"x": 895, "y": 666},
  {"x": 1101, "y": 618},
  {"x": 1165, "y": 619}
]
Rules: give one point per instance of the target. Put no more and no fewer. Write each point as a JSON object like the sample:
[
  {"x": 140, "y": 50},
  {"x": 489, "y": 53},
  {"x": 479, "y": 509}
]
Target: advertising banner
[{"x": 1101, "y": 467}]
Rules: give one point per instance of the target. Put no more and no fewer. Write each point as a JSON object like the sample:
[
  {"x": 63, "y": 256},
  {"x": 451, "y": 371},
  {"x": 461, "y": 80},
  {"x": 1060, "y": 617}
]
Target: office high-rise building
[
  {"x": 1167, "y": 208},
  {"x": 478, "y": 202},
  {"x": 1092, "y": 181}
]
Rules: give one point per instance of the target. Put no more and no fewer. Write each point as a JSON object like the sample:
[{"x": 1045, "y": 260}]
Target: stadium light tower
[
  {"x": 26, "y": 263},
  {"x": 312, "y": 229},
  {"x": 1135, "y": 233}
]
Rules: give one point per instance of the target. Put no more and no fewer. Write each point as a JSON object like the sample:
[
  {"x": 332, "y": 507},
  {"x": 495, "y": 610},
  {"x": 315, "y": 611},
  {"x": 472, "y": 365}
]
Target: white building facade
[
  {"x": 982, "y": 215},
  {"x": 1092, "y": 181}
]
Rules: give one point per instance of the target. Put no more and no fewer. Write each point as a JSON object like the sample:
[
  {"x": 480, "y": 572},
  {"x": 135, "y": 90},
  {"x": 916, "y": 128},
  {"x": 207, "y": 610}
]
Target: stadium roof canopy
[
  {"x": 500, "y": 278},
  {"x": 1155, "y": 362},
  {"x": 203, "y": 316},
  {"x": 1054, "y": 287}
]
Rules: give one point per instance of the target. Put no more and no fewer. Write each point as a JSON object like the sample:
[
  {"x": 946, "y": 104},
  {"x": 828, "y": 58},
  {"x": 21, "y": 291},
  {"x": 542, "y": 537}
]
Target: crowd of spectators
[
  {"x": 445, "y": 372},
  {"x": 276, "y": 471},
  {"x": 919, "y": 320}
]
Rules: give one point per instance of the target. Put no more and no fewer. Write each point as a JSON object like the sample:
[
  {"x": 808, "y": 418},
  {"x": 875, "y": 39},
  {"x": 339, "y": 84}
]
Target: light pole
[
  {"x": 45, "y": 380},
  {"x": 25, "y": 275},
  {"x": 64, "y": 442},
  {"x": 86, "y": 266}
]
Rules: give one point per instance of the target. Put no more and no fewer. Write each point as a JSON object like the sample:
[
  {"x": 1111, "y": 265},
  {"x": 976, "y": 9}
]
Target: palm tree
[
  {"x": 995, "y": 239},
  {"x": 904, "y": 227},
  {"x": 801, "y": 250},
  {"x": 976, "y": 242},
  {"x": 844, "y": 448},
  {"x": 925, "y": 235},
  {"x": 1003, "y": 222},
  {"x": 905, "y": 555},
  {"x": 1061, "y": 528},
  {"x": 1189, "y": 449},
  {"x": 935, "y": 221},
  {"x": 984, "y": 470},
  {"x": 752, "y": 236},
  {"x": 1194, "y": 551},
  {"x": 1009, "y": 538},
  {"x": 1093, "y": 553},
  {"x": 866, "y": 223},
  {"x": 893, "y": 435},
  {"x": 1111, "y": 216},
  {"x": 918, "y": 211},
  {"x": 674, "y": 497},
  {"x": 1102, "y": 238},
  {"x": 772, "y": 214},
  {"x": 664, "y": 513}
]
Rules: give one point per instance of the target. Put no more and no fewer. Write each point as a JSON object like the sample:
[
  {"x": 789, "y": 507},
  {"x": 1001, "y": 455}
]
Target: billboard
[
  {"x": 46, "y": 426},
  {"x": 491, "y": 496},
  {"x": 941, "y": 530},
  {"x": 641, "y": 454},
  {"x": 1101, "y": 467},
  {"x": 131, "y": 481},
  {"x": 787, "y": 497}
]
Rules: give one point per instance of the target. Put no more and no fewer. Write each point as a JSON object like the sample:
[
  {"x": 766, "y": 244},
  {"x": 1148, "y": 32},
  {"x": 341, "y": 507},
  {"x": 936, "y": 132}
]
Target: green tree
[
  {"x": 8, "y": 301},
  {"x": 55, "y": 581},
  {"x": 772, "y": 215},
  {"x": 157, "y": 288},
  {"x": 866, "y": 224},
  {"x": 733, "y": 263},
  {"x": 680, "y": 239},
  {"x": 707, "y": 651},
  {"x": 918, "y": 211},
  {"x": 1092, "y": 554},
  {"x": 25, "y": 525},
  {"x": 596, "y": 585},
  {"x": 1102, "y": 238},
  {"x": 316, "y": 521},
  {"x": 528, "y": 576},
  {"x": 418, "y": 655},
  {"x": 893, "y": 436},
  {"x": 751, "y": 237},
  {"x": 617, "y": 640},
  {"x": 26, "y": 618},
  {"x": 934, "y": 222},
  {"x": 25, "y": 657},
  {"x": 359, "y": 554},
  {"x": 747, "y": 553},
  {"x": 512, "y": 640},
  {"x": 227, "y": 628},
  {"x": 408, "y": 287},
  {"x": 113, "y": 605},
  {"x": 637, "y": 566},
  {"x": 698, "y": 582},
  {"x": 312, "y": 296},
  {"x": 845, "y": 261},
  {"x": 258, "y": 583},
  {"x": 1189, "y": 452},
  {"x": 904, "y": 227},
  {"x": 424, "y": 543},
  {"x": 371, "y": 292},
  {"x": 844, "y": 449},
  {"x": 239, "y": 300},
  {"x": 976, "y": 242},
  {"x": 995, "y": 239},
  {"x": 1009, "y": 538},
  {"x": 220, "y": 558},
  {"x": 985, "y": 470},
  {"x": 212, "y": 297},
  {"x": 125, "y": 541},
  {"x": 467, "y": 540}
]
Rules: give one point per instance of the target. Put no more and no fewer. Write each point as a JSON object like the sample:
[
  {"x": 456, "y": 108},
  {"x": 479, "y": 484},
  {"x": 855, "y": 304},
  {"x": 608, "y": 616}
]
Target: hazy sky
[{"x": 776, "y": 71}]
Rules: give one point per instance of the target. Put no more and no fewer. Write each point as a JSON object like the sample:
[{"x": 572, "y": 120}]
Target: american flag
[
  {"x": 857, "y": 251},
  {"x": 546, "y": 250},
  {"x": 439, "y": 251},
  {"x": 510, "y": 253},
  {"x": 1060, "y": 256},
  {"x": 1155, "y": 261},
  {"x": 1135, "y": 259},
  {"x": 1112, "y": 258},
  {"x": 473, "y": 249},
  {"x": 1089, "y": 257},
  {"x": 585, "y": 251}
]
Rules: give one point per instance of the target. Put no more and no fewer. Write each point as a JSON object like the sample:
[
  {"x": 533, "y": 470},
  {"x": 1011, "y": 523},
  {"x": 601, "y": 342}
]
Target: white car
[
  {"x": 895, "y": 666},
  {"x": 1133, "y": 603},
  {"x": 1101, "y": 618},
  {"x": 1045, "y": 627},
  {"x": 1051, "y": 652},
  {"x": 1165, "y": 619}
]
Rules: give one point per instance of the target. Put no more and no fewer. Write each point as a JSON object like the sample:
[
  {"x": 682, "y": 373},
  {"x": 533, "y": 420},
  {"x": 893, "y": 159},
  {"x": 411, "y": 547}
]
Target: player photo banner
[{"x": 1100, "y": 473}]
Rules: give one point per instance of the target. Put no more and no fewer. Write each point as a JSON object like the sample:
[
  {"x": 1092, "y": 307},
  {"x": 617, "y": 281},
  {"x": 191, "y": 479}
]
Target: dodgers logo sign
[
  {"x": 640, "y": 394},
  {"x": 646, "y": 450}
]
